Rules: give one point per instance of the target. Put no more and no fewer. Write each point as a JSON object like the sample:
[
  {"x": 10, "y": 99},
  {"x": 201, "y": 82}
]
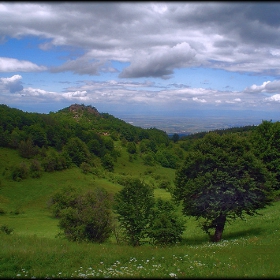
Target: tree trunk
[{"x": 220, "y": 224}]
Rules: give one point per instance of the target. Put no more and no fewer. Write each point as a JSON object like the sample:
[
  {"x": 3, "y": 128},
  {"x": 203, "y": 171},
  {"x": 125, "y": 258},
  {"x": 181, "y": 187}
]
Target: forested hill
[{"x": 54, "y": 129}]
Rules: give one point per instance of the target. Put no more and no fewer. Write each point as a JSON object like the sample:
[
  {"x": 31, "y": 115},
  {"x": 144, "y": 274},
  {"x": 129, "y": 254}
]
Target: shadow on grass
[
  {"x": 226, "y": 236},
  {"x": 195, "y": 240},
  {"x": 244, "y": 233}
]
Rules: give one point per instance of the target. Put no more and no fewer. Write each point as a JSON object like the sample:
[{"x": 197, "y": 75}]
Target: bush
[
  {"x": 108, "y": 163},
  {"x": 149, "y": 159},
  {"x": 86, "y": 217},
  {"x": 86, "y": 168},
  {"x": 20, "y": 172},
  {"x": 27, "y": 149},
  {"x": 6, "y": 229},
  {"x": 166, "y": 226},
  {"x": 77, "y": 150},
  {"x": 35, "y": 169},
  {"x": 164, "y": 184},
  {"x": 133, "y": 206},
  {"x": 55, "y": 161}
]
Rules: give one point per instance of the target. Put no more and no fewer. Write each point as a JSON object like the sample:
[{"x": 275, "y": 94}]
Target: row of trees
[{"x": 133, "y": 215}]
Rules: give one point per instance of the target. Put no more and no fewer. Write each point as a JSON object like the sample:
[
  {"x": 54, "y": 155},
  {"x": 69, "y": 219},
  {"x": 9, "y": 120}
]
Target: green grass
[{"x": 249, "y": 248}]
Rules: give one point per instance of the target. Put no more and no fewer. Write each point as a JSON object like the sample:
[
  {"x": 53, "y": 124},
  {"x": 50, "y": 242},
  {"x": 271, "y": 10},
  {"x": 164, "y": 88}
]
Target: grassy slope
[
  {"x": 30, "y": 197},
  {"x": 250, "y": 248}
]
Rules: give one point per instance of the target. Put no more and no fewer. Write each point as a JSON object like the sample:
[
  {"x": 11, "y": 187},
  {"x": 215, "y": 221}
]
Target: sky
[{"x": 142, "y": 58}]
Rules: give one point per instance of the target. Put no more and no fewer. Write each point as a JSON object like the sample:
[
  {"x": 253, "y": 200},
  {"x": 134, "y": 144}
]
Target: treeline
[{"x": 199, "y": 135}]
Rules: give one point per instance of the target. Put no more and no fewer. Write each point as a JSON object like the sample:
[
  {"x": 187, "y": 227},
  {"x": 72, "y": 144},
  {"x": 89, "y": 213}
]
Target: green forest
[{"x": 84, "y": 177}]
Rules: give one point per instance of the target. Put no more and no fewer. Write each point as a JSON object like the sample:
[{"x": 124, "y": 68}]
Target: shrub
[
  {"x": 149, "y": 159},
  {"x": 86, "y": 217},
  {"x": 108, "y": 163},
  {"x": 35, "y": 168},
  {"x": 86, "y": 168},
  {"x": 27, "y": 149},
  {"x": 166, "y": 226},
  {"x": 20, "y": 172},
  {"x": 6, "y": 229},
  {"x": 164, "y": 184},
  {"x": 55, "y": 161},
  {"x": 77, "y": 150},
  {"x": 133, "y": 206}
]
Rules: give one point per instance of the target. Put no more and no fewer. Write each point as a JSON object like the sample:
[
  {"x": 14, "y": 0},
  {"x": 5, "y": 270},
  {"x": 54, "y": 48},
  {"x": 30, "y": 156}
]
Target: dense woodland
[{"x": 225, "y": 166}]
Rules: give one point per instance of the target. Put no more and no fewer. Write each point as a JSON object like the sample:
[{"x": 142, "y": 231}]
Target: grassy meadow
[{"x": 250, "y": 248}]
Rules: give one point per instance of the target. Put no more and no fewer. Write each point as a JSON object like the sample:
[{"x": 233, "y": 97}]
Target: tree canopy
[{"x": 220, "y": 180}]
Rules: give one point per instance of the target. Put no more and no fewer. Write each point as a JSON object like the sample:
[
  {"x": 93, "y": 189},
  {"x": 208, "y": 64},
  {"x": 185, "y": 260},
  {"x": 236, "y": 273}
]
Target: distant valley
[{"x": 188, "y": 125}]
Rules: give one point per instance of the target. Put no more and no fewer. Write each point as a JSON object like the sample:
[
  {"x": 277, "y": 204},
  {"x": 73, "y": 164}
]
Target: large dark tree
[
  {"x": 266, "y": 142},
  {"x": 221, "y": 180}
]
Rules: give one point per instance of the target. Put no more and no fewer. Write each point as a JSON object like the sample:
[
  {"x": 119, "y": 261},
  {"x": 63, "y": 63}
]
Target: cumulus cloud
[
  {"x": 155, "y": 38},
  {"x": 12, "y": 84},
  {"x": 160, "y": 62},
  {"x": 269, "y": 87},
  {"x": 14, "y": 65},
  {"x": 275, "y": 97}
]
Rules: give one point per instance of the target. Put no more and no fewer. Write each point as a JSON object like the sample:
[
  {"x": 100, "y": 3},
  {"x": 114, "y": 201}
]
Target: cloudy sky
[{"x": 160, "y": 58}]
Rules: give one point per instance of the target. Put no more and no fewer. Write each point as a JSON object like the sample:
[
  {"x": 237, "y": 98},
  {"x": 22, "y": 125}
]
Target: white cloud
[
  {"x": 275, "y": 97},
  {"x": 155, "y": 38},
  {"x": 14, "y": 65},
  {"x": 12, "y": 84},
  {"x": 269, "y": 87},
  {"x": 160, "y": 62},
  {"x": 199, "y": 100}
]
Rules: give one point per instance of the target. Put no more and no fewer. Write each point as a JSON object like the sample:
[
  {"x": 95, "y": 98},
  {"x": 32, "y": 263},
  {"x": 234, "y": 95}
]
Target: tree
[
  {"x": 108, "y": 162},
  {"x": 131, "y": 147},
  {"x": 266, "y": 141},
  {"x": 85, "y": 216},
  {"x": 221, "y": 180},
  {"x": 133, "y": 205},
  {"x": 175, "y": 137},
  {"x": 166, "y": 226},
  {"x": 77, "y": 150}
]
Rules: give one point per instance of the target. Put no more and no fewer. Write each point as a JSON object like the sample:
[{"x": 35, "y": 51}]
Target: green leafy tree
[
  {"x": 27, "y": 149},
  {"x": 20, "y": 171},
  {"x": 266, "y": 141},
  {"x": 175, "y": 137},
  {"x": 84, "y": 217},
  {"x": 108, "y": 162},
  {"x": 131, "y": 147},
  {"x": 166, "y": 225},
  {"x": 133, "y": 205},
  {"x": 149, "y": 158},
  {"x": 166, "y": 158},
  {"x": 38, "y": 135},
  {"x": 77, "y": 150},
  {"x": 55, "y": 161},
  {"x": 221, "y": 180}
]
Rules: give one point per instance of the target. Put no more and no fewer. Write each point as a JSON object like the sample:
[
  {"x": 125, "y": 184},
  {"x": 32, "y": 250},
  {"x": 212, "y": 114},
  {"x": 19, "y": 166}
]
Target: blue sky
[{"x": 142, "y": 58}]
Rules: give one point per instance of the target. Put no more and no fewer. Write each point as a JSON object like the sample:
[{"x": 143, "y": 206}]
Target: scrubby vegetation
[{"x": 86, "y": 186}]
